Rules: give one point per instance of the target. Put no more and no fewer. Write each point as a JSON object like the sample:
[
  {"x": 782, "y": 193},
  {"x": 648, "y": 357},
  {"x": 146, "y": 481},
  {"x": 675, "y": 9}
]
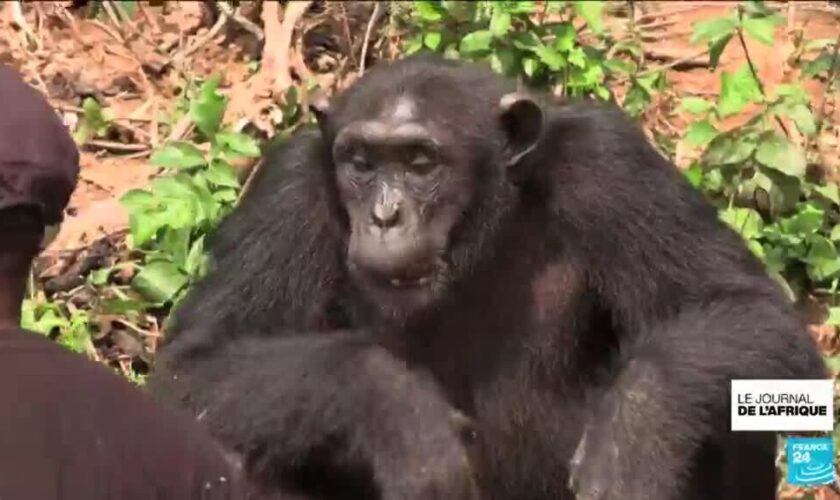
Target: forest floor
[{"x": 136, "y": 64}]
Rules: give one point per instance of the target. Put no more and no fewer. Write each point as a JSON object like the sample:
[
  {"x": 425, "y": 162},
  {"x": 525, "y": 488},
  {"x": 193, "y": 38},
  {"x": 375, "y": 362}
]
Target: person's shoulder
[{"x": 175, "y": 453}]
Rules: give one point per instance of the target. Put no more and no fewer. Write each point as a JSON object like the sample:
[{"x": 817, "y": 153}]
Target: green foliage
[
  {"x": 92, "y": 123},
  {"x": 49, "y": 318},
  {"x": 515, "y": 39},
  {"x": 168, "y": 220},
  {"x": 755, "y": 173}
]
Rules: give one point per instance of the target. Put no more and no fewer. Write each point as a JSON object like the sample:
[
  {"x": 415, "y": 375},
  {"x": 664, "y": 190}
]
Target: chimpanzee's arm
[
  {"x": 328, "y": 412},
  {"x": 276, "y": 260},
  {"x": 690, "y": 306},
  {"x": 673, "y": 393}
]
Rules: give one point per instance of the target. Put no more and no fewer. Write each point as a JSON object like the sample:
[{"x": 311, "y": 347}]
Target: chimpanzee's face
[
  {"x": 420, "y": 162},
  {"x": 405, "y": 184}
]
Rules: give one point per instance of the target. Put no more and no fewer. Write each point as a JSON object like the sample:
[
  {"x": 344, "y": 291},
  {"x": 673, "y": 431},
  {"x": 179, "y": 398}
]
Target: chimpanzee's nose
[
  {"x": 386, "y": 215},
  {"x": 388, "y": 207}
]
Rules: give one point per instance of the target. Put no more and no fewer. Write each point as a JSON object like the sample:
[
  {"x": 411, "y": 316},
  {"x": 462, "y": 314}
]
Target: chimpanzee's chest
[{"x": 525, "y": 438}]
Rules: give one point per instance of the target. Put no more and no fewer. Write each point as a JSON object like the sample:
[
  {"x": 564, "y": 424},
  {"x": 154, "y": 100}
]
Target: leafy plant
[
  {"x": 169, "y": 219},
  {"x": 49, "y": 318},
  {"x": 516, "y": 40},
  {"x": 756, "y": 173},
  {"x": 92, "y": 123}
]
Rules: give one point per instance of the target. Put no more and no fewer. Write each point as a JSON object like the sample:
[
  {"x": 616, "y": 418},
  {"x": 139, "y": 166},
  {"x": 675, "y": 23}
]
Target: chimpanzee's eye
[
  {"x": 421, "y": 160},
  {"x": 360, "y": 164}
]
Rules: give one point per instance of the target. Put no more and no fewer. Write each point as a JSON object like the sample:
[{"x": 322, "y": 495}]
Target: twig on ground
[
  {"x": 181, "y": 129},
  {"x": 148, "y": 18},
  {"x": 378, "y": 10},
  {"x": 16, "y": 10},
  {"x": 117, "y": 146},
  {"x": 107, "y": 29},
  {"x": 190, "y": 50},
  {"x": 241, "y": 20},
  {"x": 348, "y": 39},
  {"x": 674, "y": 63},
  {"x": 114, "y": 18}
]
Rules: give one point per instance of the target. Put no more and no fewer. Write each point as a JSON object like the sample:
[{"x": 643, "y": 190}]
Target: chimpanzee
[{"x": 535, "y": 266}]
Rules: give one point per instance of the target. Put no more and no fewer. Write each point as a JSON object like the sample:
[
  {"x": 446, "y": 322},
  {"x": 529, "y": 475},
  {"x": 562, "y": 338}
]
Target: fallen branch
[
  {"x": 16, "y": 10},
  {"x": 276, "y": 50},
  {"x": 179, "y": 57},
  {"x": 241, "y": 20},
  {"x": 378, "y": 10},
  {"x": 117, "y": 146}
]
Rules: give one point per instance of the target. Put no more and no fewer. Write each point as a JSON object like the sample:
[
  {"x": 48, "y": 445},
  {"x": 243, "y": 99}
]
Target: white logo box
[{"x": 788, "y": 405}]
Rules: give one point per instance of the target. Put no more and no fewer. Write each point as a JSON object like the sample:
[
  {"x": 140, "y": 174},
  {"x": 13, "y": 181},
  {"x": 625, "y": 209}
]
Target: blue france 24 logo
[{"x": 810, "y": 461}]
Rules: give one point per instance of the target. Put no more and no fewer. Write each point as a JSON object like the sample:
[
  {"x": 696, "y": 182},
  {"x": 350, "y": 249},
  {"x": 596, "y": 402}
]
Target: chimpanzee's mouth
[{"x": 400, "y": 281}]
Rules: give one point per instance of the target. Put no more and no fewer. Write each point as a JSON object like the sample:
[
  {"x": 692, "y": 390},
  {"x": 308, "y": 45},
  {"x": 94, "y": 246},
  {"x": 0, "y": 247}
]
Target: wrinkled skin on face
[
  {"x": 404, "y": 186},
  {"x": 410, "y": 178}
]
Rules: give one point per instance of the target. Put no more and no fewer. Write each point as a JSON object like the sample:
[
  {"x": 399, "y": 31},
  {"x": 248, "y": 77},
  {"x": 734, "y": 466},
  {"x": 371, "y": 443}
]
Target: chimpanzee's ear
[
  {"x": 319, "y": 106},
  {"x": 522, "y": 122}
]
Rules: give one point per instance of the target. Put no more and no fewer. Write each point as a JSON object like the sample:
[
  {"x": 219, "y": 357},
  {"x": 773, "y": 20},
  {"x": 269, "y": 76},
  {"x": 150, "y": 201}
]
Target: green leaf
[
  {"x": 577, "y": 57},
  {"x": 137, "y": 199},
  {"x": 696, "y": 105},
  {"x": 526, "y": 40},
  {"x": 432, "y": 40},
  {"x": 792, "y": 90},
  {"x": 694, "y": 175},
  {"x": 833, "y": 364},
  {"x": 429, "y": 10},
  {"x": 174, "y": 246},
  {"x": 761, "y": 29},
  {"x": 716, "y": 49},
  {"x": 564, "y": 37},
  {"x": 727, "y": 149},
  {"x": 700, "y": 133},
  {"x": 477, "y": 41},
  {"x": 500, "y": 23},
  {"x": 505, "y": 61},
  {"x": 820, "y": 65},
  {"x": 591, "y": 11},
  {"x": 830, "y": 192},
  {"x": 460, "y": 10},
  {"x": 225, "y": 195},
  {"x": 776, "y": 152},
  {"x": 803, "y": 118},
  {"x": 833, "y": 317},
  {"x": 208, "y": 108},
  {"x": 784, "y": 191},
  {"x": 551, "y": 58},
  {"x": 746, "y": 221},
  {"x": 621, "y": 66},
  {"x": 92, "y": 122},
  {"x": 713, "y": 29},
  {"x": 807, "y": 221},
  {"x": 823, "y": 263},
  {"x": 159, "y": 281},
  {"x": 221, "y": 173},
  {"x": 42, "y": 319},
  {"x": 413, "y": 44},
  {"x": 178, "y": 155},
  {"x": 529, "y": 66},
  {"x": 238, "y": 144},
  {"x": 197, "y": 259},
  {"x": 144, "y": 226},
  {"x": 835, "y": 233},
  {"x": 737, "y": 90}
]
